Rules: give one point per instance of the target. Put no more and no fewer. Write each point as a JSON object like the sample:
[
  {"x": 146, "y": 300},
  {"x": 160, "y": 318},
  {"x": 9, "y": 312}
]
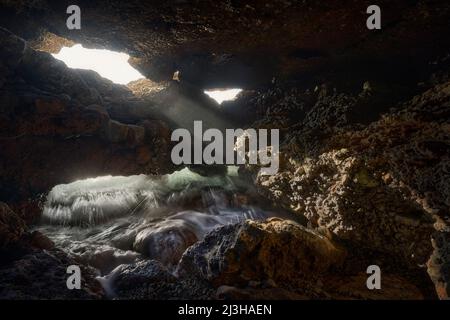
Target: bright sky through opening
[
  {"x": 223, "y": 95},
  {"x": 108, "y": 64}
]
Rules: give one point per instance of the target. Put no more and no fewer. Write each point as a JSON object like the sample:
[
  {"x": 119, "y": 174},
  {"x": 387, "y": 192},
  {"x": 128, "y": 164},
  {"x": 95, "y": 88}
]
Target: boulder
[
  {"x": 150, "y": 279},
  {"x": 278, "y": 250},
  {"x": 136, "y": 281},
  {"x": 166, "y": 242}
]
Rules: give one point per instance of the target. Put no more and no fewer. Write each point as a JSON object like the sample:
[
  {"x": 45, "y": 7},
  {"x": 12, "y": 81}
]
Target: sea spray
[{"x": 106, "y": 222}]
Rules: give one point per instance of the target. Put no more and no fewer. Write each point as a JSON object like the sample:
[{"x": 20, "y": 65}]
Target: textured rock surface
[
  {"x": 364, "y": 121},
  {"x": 383, "y": 187},
  {"x": 166, "y": 243},
  {"x": 279, "y": 259},
  {"x": 243, "y": 42},
  {"x": 279, "y": 250},
  {"x": 151, "y": 280}
]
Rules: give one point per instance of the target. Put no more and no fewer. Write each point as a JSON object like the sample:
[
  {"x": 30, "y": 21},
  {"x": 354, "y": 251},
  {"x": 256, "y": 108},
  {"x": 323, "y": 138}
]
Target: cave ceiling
[{"x": 241, "y": 43}]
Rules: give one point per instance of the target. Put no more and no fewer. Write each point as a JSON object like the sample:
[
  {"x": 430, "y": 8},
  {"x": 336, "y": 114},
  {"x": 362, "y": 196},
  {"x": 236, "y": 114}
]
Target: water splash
[
  {"x": 96, "y": 200},
  {"x": 108, "y": 221}
]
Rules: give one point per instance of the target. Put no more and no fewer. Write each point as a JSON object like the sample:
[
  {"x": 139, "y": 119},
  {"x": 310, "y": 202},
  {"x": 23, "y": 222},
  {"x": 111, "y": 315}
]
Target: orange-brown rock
[{"x": 279, "y": 250}]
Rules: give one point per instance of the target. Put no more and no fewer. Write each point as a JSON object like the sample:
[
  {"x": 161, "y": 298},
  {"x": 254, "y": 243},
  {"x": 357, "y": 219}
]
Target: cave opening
[
  {"x": 221, "y": 95},
  {"x": 108, "y": 64}
]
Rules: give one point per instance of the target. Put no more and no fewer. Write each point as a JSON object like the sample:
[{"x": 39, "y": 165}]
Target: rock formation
[{"x": 364, "y": 119}]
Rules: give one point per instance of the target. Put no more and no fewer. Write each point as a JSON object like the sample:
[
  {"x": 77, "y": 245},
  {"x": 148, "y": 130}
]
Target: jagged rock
[
  {"x": 381, "y": 187},
  {"x": 138, "y": 281},
  {"x": 336, "y": 191},
  {"x": 380, "y": 164},
  {"x": 278, "y": 250},
  {"x": 151, "y": 280},
  {"x": 12, "y": 227}
]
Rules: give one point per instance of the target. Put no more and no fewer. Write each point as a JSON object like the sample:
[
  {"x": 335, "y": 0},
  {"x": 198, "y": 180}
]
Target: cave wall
[
  {"x": 373, "y": 177},
  {"x": 55, "y": 127}
]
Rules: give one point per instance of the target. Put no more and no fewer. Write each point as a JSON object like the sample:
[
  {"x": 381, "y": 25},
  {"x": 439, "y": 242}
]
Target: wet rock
[
  {"x": 278, "y": 250},
  {"x": 151, "y": 280},
  {"x": 101, "y": 257},
  {"x": 143, "y": 280},
  {"x": 165, "y": 242}
]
